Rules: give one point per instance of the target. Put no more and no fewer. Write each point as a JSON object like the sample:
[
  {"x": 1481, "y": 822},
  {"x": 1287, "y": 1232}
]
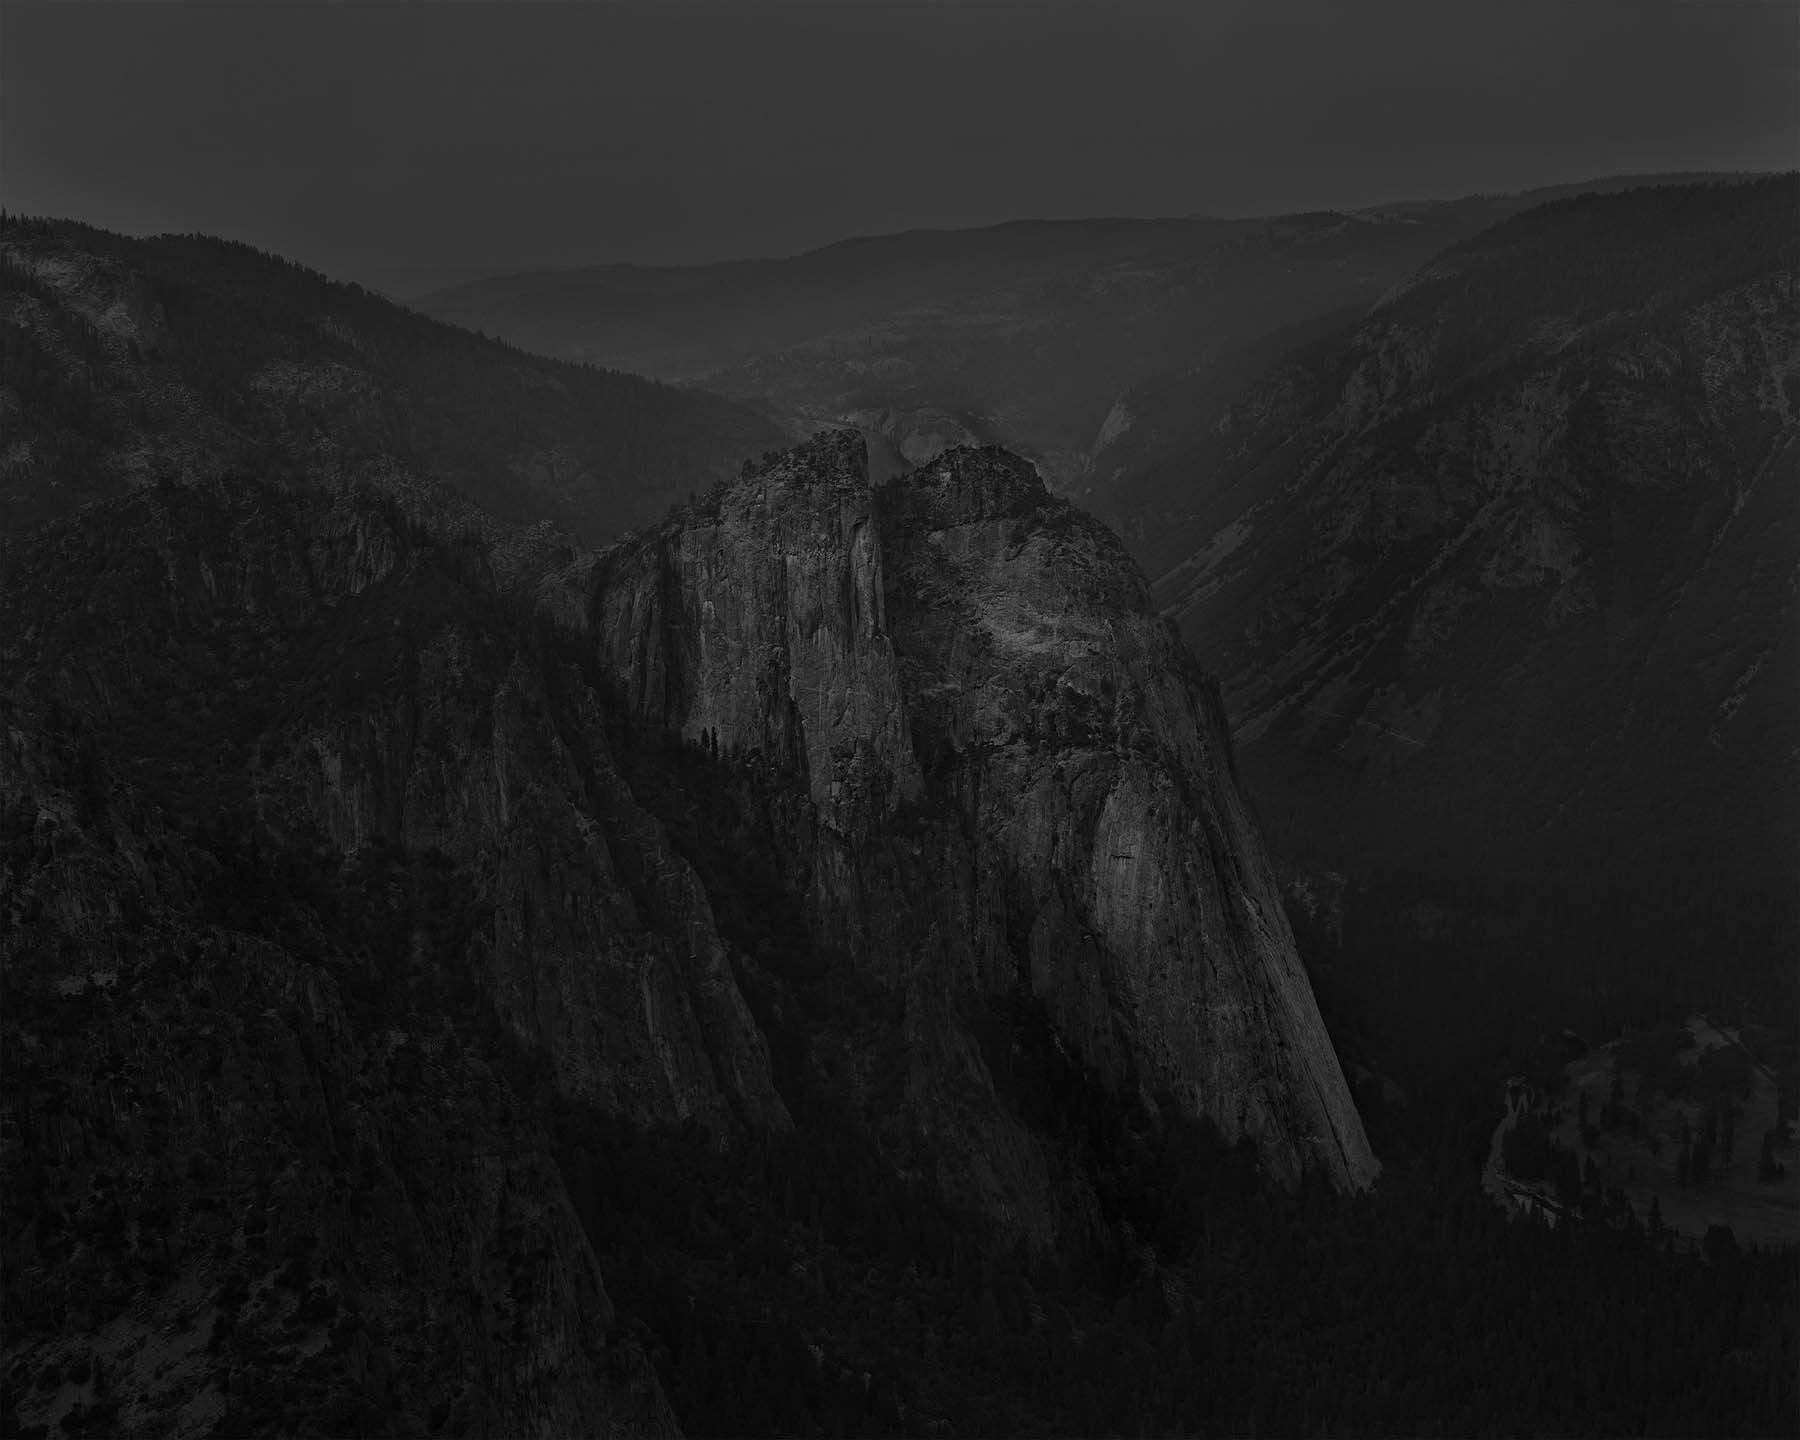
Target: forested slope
[{"x": 122, "y": 359}]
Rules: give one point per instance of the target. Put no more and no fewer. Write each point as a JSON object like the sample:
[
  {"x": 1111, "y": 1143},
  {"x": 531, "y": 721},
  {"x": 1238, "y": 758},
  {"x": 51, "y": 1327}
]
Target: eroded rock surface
[{"x": 1018, "y": 778}]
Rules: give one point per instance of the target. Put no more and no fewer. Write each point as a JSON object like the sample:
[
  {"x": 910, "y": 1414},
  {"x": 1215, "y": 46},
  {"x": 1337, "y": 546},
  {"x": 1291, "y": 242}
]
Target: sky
[{"x": 420, "y": 144}]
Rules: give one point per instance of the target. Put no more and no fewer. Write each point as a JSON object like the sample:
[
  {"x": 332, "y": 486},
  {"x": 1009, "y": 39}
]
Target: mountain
[
  {"x": 1500, "y": 582},
  {"x": 1021, "y": 334},
  {"x": 806, "y": 967},
  {"x": 1024, "y": 335},
  {"x": 126, "y": 359},
  {"x": 338, "y": 868},
  {"x": 1019, "y": 785}
]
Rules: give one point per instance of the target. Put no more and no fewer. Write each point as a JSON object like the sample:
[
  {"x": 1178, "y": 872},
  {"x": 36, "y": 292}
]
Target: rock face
[
  {"x": 763, "y": 620},
  {"x": 1098, "y": 766},
  {"x": 638, "y": 1017},
  {"x": 1018, "y": 781}
]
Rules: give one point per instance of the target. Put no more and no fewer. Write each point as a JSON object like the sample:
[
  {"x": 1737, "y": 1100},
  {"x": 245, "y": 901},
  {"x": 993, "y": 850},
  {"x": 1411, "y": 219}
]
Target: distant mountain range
[{"x": 1022, "y": 334}]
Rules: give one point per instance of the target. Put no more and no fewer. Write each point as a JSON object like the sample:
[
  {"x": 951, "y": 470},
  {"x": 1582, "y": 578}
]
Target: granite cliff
[{"x": 1016, "y": 779}]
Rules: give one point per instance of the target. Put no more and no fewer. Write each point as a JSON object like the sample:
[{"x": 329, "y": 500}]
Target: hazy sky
[{"x": 414, "y": 144}]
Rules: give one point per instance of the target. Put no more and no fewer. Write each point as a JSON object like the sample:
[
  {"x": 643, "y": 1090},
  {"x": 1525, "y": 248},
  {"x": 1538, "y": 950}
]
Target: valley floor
[{"x": 1639, "y": 1148}]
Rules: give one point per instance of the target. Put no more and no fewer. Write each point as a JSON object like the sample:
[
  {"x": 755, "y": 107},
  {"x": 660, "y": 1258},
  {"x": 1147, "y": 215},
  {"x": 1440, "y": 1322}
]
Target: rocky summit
[{"x": 1006, "y": 774}]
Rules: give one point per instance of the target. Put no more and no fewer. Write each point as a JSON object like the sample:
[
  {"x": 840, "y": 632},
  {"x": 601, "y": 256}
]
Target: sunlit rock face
[{"x": 1018, "y": 779}]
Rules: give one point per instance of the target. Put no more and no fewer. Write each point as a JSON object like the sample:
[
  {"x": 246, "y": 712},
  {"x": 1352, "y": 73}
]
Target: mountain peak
[
  {"x": 979, "y": 483},
  {"x": 832, "y": 457},
  {"x": 954, "y": 685}
]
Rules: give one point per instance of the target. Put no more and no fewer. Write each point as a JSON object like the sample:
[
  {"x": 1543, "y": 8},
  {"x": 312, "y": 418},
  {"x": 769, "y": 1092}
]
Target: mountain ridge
[
  {"x": 1532, "y": 196},
  {"x": 1024, "y": 334},
  {"x": 128, "y": 359},
  {"x": 1523, "y": 497}
]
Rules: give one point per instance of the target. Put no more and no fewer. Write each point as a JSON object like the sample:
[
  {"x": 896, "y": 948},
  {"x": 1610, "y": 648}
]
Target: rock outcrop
[{"x": 1018, "y": 780}]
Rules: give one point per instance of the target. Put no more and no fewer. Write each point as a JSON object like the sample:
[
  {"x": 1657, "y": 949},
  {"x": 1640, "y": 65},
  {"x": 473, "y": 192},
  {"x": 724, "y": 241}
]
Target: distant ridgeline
[
  {"x": 806, "y": 968},
  {"x": 128, "y": 359},
  {"x": 1022, "y": 334}
]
